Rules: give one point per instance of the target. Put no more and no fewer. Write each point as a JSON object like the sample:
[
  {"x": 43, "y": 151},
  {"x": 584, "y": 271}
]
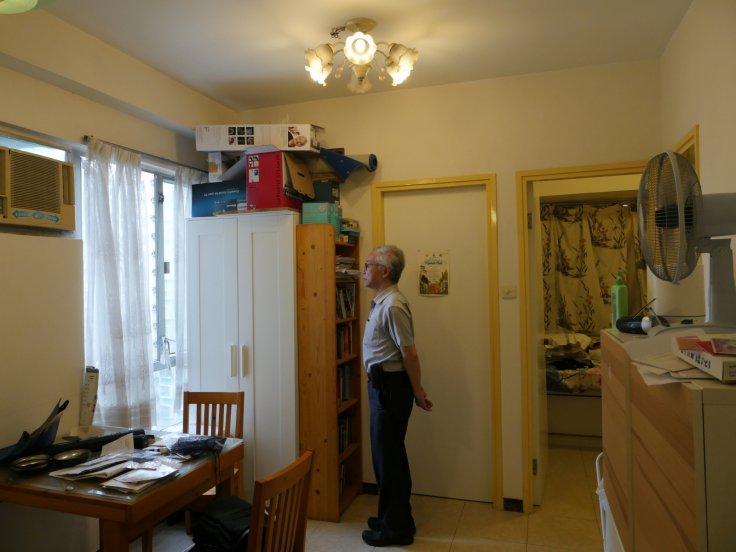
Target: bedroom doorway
[{"x": 573, "y": 185}]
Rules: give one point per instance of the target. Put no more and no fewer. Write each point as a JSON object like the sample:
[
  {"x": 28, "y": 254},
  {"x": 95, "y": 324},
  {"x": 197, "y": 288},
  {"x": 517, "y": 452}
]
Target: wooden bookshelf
[{"x": 329, "y": 370}]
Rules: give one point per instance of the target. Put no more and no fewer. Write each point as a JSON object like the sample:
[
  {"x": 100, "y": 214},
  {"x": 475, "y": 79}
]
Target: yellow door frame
[{"x": 488, "y": 182}]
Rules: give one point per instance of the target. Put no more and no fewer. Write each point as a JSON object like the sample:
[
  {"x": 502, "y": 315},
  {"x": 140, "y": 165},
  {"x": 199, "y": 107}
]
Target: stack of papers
[
  {"x": 140, "y": 478},
  {"x": 127, "y": 471}
]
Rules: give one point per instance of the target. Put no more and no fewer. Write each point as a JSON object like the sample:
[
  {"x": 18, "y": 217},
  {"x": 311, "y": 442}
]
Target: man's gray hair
[{"x": 392, "y": 258}]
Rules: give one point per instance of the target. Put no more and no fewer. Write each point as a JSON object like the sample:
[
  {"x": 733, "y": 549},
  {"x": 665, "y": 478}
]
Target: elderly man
[{"x": 394, "y": 373}]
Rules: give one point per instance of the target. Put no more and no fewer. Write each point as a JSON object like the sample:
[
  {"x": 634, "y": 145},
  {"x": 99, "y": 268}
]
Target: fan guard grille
[{"x": 670, "y": 205}]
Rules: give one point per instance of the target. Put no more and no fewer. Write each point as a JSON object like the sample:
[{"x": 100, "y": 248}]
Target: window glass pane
[
  {"x": 30, "y": 147},
  {"x": 165, "y": 372},
  {"x": 169, "y": 248}
]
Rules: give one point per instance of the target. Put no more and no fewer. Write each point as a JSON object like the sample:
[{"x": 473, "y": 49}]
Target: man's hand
[{"x": 422, "y": 401}]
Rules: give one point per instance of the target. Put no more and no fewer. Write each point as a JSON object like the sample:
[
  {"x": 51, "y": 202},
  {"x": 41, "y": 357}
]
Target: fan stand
[{"x": 722, "y": 292}]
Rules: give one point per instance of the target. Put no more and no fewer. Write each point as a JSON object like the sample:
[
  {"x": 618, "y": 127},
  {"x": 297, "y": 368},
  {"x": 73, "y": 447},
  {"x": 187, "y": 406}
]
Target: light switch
[{"x": 508, "y": 292}]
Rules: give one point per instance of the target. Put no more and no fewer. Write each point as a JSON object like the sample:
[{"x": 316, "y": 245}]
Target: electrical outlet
[{"x": 508, "y": 292}]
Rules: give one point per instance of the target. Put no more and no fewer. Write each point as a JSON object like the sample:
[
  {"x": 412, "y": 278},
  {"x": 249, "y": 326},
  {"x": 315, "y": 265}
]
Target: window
[
  {"x": 133, "y": 217},
  {"x": 162, "y": 206},
  {"x": 160, "y": 187}
]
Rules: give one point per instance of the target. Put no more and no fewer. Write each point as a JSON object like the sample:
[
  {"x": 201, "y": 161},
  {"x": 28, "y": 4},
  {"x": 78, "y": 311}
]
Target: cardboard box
[
  {"x": 321, "y": 213},
  {"x": 217, "y": 198},
  {"x": 239, "y": 137},
  {"x": 326, "y": 191},
  {"x": 218, "y": 163},
  {"x": 276, "y": 179}
]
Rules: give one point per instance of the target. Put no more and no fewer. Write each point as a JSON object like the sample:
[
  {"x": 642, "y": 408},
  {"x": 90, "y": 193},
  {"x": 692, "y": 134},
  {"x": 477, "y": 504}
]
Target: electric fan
[{"x": 677, "y": 223}]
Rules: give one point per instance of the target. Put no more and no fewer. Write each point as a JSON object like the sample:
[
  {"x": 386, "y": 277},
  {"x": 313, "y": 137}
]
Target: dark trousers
[{"x": 390, "y": 410}]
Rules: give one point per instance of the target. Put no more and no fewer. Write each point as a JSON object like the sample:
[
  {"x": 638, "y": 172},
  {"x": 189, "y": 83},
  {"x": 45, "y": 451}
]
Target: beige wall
[
  {"x": 580, "y": 117},
  {"x": 699, "y": 87},
  {"x": 59, "y": 81},
  {"x": 62, "y": 82}
]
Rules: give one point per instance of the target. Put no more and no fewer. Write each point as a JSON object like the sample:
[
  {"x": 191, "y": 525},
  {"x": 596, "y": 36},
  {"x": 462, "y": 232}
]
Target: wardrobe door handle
[
  {"x": 245, "y": 360},
  {"x": 233, "y": 361}
]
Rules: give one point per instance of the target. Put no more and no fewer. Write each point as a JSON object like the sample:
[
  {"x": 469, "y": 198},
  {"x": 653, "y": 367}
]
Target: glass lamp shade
[
  {"x": 319, "y": 62},
  {"x": 400, "y": 62},
  {"x": 9, "y": 7},
  {"x": 359, "y": 82},
  {"x": 16, "y": 6},
  {"x": 360, "y": 48}
]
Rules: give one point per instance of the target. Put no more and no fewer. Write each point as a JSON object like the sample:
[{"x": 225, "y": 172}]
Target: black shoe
[
  {"x": 378, "y": 539},
  {"x": 375, "y": 524}
]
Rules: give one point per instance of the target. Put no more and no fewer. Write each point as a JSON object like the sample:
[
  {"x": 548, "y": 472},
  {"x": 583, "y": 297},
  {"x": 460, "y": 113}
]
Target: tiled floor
[{"x": 568, "y": 520}]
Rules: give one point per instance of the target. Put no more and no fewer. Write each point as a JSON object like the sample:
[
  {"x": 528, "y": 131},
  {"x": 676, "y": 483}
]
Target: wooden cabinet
[
  {"x": 668, "y": 456},
  {"x": 328, "y": 322},
  {"x": 241, "y": 298}
]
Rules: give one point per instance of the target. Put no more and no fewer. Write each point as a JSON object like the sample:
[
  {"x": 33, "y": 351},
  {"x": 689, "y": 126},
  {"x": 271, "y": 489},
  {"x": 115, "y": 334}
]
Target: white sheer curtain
[
  {"x": 118, "y": 334},
  {"x": 182, "y": 201}
]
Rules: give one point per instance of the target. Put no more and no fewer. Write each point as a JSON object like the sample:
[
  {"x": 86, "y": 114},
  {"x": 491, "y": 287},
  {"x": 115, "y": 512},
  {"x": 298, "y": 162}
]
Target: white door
[
  {"x": 267, "y": 328},
  {"x": 450, "y": 449},
  {"x": 212, "y": 317}
]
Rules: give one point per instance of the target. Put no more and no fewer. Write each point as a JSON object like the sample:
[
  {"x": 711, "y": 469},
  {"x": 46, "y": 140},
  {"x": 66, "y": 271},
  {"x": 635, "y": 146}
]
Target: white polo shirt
[{"x": 389, "y": 327}]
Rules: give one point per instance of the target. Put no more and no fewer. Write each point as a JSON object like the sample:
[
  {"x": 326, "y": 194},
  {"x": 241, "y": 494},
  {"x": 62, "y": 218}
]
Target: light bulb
[{"x": 360, "y": 48}]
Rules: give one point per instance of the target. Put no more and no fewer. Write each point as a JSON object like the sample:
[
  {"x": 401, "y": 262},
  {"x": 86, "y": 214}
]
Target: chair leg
[
  {"x": 147, "y": 540},
  {"x": 188, "y": 521}
]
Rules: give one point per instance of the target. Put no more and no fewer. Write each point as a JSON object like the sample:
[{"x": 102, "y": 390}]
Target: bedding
[{"x": 573, "y": 364}]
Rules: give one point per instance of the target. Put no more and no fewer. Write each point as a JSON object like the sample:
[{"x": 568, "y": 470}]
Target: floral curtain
[{"x": 583, "y": 247}]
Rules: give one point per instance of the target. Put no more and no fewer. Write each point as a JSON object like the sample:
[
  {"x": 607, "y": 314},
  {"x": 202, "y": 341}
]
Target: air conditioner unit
[{"x": 36, "y": 191}]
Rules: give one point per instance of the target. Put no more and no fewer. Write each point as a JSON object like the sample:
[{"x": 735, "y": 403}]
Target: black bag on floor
[{"x": 223, "y": 526}]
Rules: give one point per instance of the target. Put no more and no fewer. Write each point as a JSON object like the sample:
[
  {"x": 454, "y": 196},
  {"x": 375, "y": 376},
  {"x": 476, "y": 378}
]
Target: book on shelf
[
  {"x": 342, "y": 477},
  {"x": 344, "y": 432},
  {"x": 345, "y": 300},
  {"x": 344, "y": 340},
  {"x": 698, "y": 350},
  {"x": 343, "y": 387}
]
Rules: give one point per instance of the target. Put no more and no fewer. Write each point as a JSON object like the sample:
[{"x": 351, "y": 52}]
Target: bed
[
  {"x": 573, "y": 364},
  {"x": 573, "y": 376}
]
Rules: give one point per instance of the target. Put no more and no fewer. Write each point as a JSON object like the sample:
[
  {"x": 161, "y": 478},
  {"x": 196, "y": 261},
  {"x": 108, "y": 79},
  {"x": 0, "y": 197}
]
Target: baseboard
[{"x": 513, "y": 504}]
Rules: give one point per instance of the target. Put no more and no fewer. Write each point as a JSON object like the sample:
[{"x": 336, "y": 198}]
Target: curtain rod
[{"x": 87, "y": 138}]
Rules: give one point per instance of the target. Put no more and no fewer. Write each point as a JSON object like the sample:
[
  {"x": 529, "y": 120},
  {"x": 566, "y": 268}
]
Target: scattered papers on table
[{"x": 141, "y": 478}]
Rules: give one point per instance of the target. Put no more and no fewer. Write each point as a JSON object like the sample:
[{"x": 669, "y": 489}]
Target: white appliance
[
  {"x": 42, "y": 344},
  {"x": 241, "y": 329}
]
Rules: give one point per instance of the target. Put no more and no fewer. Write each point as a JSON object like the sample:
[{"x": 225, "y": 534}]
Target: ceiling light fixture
[
  {"x": 359, "y": 50},
  {"x": 8, "y": 7}
]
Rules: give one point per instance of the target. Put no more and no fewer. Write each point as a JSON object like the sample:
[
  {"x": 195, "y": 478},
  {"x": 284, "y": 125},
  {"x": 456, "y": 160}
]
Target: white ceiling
[{"x": 248, "y": 54}]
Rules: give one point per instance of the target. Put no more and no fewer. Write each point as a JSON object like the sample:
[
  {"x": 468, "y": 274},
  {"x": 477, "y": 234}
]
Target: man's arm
[{"x": 414, "y": 371}]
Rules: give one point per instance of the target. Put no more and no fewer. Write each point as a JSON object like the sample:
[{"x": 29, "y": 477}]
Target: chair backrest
[
  {"x": 216, "y": 413},
  {"x": 279, "y": 509}
]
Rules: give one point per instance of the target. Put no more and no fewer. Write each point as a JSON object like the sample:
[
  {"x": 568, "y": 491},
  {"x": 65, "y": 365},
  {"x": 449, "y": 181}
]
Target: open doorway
[{"x": 573, "y": 186}]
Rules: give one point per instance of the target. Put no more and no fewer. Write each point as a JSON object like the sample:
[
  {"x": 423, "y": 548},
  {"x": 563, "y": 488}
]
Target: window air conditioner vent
[{"x": 35, "y": 190}]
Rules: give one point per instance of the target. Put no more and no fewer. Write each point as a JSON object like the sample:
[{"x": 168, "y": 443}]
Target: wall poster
[{"x": 434, "y": 273}]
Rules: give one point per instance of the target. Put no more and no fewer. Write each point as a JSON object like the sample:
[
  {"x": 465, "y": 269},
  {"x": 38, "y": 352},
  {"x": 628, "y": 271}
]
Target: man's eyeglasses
[{"x": 371, "y": 264}]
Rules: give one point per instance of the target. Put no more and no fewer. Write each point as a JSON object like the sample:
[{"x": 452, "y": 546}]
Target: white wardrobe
[{"x": 241, "y": 320}]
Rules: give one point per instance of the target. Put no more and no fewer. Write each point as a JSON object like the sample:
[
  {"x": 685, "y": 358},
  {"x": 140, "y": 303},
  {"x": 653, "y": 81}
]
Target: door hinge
[
  {"x": 529, "y": 221},
  {"x": 534, "y": 466}
]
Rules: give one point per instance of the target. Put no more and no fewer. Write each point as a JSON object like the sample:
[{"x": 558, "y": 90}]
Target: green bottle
[{"x": 619, "y": 299}]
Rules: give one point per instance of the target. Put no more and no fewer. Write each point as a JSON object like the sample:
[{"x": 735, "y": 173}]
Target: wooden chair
[
  {"x": 279, "y": 508},
  {"x": 218, "y": 414}
]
